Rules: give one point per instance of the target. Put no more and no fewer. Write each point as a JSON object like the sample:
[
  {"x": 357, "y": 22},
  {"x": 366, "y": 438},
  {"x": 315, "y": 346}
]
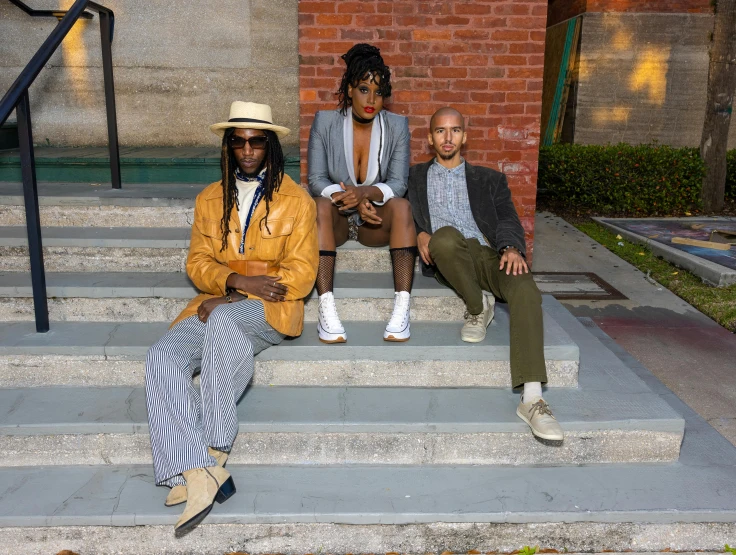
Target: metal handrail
[
  {"x": 58, "y": 14},
  {"x": 17, "y": 99}
]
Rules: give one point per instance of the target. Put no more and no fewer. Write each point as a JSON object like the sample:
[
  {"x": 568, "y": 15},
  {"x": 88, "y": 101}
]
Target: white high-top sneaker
[
  {"x": 328, "y": 322},
  {"x": 397, "y": 328}
]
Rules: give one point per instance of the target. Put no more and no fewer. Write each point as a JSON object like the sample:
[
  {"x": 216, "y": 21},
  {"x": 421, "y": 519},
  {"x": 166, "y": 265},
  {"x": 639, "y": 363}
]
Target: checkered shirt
[{"x": 447, "y": 193}]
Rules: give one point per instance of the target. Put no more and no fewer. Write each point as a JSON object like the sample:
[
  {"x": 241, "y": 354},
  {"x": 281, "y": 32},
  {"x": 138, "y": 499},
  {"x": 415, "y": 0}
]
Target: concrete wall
[
  {"x": 642, "y": 78},
  {"x": 178, "y": 66}
]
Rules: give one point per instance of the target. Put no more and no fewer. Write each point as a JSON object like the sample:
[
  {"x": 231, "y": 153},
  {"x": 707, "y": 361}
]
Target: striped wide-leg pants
[{"x": 183, "y": 420}]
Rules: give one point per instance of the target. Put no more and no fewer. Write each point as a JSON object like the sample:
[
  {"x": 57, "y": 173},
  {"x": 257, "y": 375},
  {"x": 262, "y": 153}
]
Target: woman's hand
[
  {"x": 350, "y": 198},
  {"x": 367, "y": 211},
  {"x": 267, "y": 288}
]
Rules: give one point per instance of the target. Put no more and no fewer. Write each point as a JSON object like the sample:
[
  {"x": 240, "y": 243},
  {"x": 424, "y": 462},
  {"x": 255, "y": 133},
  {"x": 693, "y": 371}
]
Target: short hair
[{"x": 362, "y": 60}]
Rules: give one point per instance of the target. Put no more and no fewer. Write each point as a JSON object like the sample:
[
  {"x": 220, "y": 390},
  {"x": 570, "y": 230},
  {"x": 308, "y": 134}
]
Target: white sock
[{"x": 532, "y": 390}]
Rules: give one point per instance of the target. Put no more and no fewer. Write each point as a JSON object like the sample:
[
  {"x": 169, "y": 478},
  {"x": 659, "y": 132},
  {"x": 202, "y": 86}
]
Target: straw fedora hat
[{"x": 249, "y": 115}]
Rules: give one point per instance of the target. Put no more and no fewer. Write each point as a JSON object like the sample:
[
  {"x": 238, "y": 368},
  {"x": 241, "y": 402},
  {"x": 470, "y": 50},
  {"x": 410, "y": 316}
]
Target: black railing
[{"x": 17, "y": 99}]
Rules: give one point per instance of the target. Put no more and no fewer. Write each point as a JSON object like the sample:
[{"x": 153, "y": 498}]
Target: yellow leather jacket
[{"x": 289, "y": 243}]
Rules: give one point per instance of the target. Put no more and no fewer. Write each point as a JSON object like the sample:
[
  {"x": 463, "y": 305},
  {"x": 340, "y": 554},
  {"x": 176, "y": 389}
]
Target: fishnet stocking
[
  {"x": 326, "y": 271},
  {"x": 403, "y": 260}
]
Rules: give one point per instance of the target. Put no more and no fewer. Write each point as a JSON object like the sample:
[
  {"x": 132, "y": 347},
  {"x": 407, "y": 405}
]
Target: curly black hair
[
  {"x": 274, "y": 163},
  {"x": 363, "y": 60}
]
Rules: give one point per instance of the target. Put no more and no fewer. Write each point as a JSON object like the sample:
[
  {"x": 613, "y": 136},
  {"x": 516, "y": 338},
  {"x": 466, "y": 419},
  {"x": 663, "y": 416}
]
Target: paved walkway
[{"x": 686, "y": 350}]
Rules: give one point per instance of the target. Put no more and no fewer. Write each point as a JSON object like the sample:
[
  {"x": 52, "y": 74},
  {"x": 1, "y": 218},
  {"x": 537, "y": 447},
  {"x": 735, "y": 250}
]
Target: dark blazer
[{"x": 490, "y": 203}]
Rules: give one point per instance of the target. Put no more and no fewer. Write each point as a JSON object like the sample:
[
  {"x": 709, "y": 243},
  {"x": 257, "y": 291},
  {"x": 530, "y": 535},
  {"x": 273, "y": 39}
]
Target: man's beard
[{"x": 449, "y": 155}]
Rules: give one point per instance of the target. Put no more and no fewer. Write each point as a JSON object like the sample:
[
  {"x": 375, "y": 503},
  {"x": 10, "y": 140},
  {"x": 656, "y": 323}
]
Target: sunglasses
[{"x": 256, "y": 143}]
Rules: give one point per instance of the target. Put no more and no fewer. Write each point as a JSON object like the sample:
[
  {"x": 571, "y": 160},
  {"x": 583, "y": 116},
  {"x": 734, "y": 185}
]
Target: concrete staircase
[{"x": 355, "y": 448}]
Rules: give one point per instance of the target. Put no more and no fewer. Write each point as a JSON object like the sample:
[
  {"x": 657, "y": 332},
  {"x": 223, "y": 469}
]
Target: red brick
[
  {"x": 357, "y": 34},
  {"x": 471, "y": 34},
  {"x": 336, "y": 47},
  {"x": 394, "y": 35},
  {"x": 512, "y": 8},
  {"x": 469, "y": 60},
  {"x": 412, "y": 96},
  {"x": 488, "y": 97},
  {"x": 507, "y": 85},
  {"x": 307, "y": 71},
  {"x": 414, "y": 47},
  {"x": 536, "y": 60},
  {"x": 330, "y": 71},
  {"x": 493, "y": 22},
  {"x": 538, "y": 36},
  {"x": 451, "y": 47},
  {"x": 385, "y": 7},
  {"x": 380, "y": 20},
  {"x": 316, "y": 60},
  {"x": 509, "y": 60},
  {"x": 470, "y": 109},
  {"x": 330, "y": 19},
  {"x": 449, "y": 72},
  {"x": 352, "y": 7},
  {"x": 413, "y": 21},
  {"x": 404, "y": 7},
  {"x": 526, "y": 22},
  {"x": 306, "y": 19},
  {"x": 486, "y": 72},
  {"x": 470, "y": 85},
  {"x": 426, "y": 34},
  {"x": 471, "y": 8},
  {"x": 526, "y": 48},
  {"x": 394, "y": 60},
  {"x": 307, "y": 95},
  {"x": 431, "y": 60},
  {"x": 451, "y": 20},
  {"x": 522, "y": 72},
  {"x": 510, "y": 35},
  {"x": 411, "y": 71},
  {"x": 317, "y": 33},
  {"x": 450, "y": 96},
  {"x": 435, "y": 8},
  {"x": 506, "y": 109}
]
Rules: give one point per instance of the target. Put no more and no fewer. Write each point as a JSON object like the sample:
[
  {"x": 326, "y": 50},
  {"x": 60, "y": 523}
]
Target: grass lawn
[{"x": 719, "y": 303}]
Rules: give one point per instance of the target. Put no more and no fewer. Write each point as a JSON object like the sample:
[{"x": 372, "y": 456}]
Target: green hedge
[{"x": 626, "y": 179}]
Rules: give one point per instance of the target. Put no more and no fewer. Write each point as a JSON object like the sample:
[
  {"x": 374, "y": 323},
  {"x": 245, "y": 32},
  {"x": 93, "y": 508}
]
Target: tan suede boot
[
  {"x": 204, "y": 487},
  {"x": 178, "y": 494}
]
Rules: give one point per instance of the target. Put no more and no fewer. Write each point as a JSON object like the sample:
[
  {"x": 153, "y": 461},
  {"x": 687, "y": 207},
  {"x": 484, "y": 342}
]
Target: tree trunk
[{"x": 721, "y": 87}]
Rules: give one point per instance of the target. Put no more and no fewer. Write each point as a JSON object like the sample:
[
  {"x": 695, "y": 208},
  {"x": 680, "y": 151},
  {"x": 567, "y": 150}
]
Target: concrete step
[
  {"x": 88, "y": 353},
  {"x": 138, "y": 249},
  {"x": 159, "y": 296},
  {"x": 415, "y": 509},
  {"x": 339, "y": 426}
]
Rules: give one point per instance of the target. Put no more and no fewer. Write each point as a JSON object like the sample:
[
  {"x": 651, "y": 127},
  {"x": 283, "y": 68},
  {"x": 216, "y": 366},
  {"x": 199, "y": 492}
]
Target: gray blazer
[{"x": 326, "y": 153}]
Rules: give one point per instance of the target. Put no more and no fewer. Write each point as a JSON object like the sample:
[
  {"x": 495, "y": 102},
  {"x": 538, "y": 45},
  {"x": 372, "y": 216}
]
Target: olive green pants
[{"x": 470, "y": 268}]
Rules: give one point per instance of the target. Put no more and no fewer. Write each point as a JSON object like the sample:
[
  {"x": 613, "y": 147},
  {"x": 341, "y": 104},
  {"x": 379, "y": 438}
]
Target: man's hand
[
  {"x": 350, "y": 198},
  {"x": 367, "y": 211},
  {"x": 514, "y": 262},
  {"x": 206, "y": 308},
  {"x": 423, "y": 245},
  {"x": 267, "y": 288}
]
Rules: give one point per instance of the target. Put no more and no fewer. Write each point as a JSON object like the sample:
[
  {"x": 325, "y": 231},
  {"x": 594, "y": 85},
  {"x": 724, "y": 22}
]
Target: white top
[
  {"x": 373, "y": 156},
  {"x": 246, "y": 192}
]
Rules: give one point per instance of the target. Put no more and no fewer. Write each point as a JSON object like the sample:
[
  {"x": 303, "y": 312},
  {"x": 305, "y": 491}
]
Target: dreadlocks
[
  {"x": 363, "y": 62},
  {"x": 274, "y": 164}
]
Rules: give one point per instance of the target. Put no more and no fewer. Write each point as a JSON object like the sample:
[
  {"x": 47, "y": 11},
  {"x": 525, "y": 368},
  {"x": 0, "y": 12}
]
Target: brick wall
[
  {"x": 560, "y": 10},
  {"x": 483, "y": 57}
]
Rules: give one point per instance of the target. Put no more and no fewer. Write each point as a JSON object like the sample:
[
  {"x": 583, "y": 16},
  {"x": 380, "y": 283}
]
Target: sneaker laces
[
  {"x": 472, "y": 318},
  {"x": 328, "y": 310},
  {"x": 541, "y": 408},
  {"x": 401, "y": 310}
]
